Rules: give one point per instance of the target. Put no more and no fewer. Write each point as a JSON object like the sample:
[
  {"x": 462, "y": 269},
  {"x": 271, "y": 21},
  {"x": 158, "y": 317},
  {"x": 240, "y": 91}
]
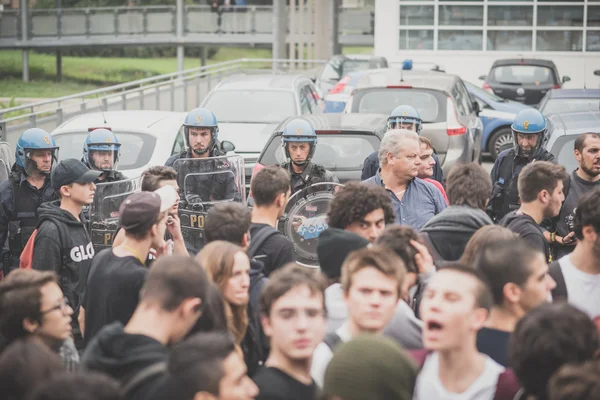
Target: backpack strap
[
  {"x": 142, "y": 376},
  {"x": 259, "y": 239},
  {"x": 559, "y": 293},
  {"x": 332, "y": 339},
  {"x": 507, "y": 386}
]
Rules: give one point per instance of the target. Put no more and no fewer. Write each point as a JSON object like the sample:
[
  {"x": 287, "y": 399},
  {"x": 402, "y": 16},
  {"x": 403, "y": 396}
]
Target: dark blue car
[{"x": 497, "y": 114}]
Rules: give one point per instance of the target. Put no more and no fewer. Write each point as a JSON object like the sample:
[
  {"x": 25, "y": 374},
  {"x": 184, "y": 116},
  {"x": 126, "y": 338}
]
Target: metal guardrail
[
  {"x": 161, "y": 20},
  {"x": 170, "y": 92}
]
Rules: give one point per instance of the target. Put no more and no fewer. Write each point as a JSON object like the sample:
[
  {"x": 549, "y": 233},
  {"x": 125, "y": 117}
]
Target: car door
[
  {"x": 463, "y": 112},
  {"x": 474, "y": 122}
]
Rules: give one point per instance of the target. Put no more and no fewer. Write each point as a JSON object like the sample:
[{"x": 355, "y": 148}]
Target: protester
[
  {"x": 214, "y": 317},
  {"x": 468, "y": 187},
  {"x": 372, "y": 283},
  {"x": 370, "y": 367},
  {"x": 270, "y": 189},
  {"x": 547, "y": 338},
  {"x": 32, "y": 305},
  {"x": 117, "y": 274},
  {"x": 577, "y": 274},
  {"x": 293, "y": 317},
  {"x": 171, "y": 302},
  {"x": 517, "y": 275},
  {"x": 488, "y": 234},
  {"x": 206, "y": 366},
  {"x": 577, "y": 381},
  {"x": 455, "y": 306},
  {"x": 541, "y": 192},
  {"x": 63, "y": 244},
  {"x": 333, "y": 248},
  {"x": 24, "y": 364},
  {"x": 414, "y": 201},
  {"x": 362, "y": 209},
  {"x": 80, "y": 386},
  {"x": 428, "y": 165}
]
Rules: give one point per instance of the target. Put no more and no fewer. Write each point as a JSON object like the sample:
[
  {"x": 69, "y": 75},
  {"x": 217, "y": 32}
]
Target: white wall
[{"x": 469, "y": 65}]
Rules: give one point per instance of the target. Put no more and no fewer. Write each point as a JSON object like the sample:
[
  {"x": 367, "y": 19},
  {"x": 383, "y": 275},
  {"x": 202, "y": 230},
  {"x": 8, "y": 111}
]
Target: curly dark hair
[{"x": 354, "y": 201}]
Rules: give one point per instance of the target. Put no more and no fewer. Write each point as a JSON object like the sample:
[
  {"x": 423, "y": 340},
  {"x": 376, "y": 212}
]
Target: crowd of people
[{"x": 429, "y": 287}]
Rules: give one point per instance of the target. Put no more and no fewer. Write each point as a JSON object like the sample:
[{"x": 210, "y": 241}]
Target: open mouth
[{"x": 434, "y": 326}]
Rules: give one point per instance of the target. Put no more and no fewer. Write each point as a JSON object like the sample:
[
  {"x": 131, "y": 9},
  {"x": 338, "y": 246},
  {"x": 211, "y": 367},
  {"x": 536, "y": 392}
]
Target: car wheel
[{"x": 500, "y": 141}]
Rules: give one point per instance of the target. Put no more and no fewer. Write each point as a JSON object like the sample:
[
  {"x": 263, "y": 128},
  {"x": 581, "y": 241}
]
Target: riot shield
[
  {"x": 204, "y": 182},
  {"x": 305, "y": 218},
  {"x": 104, "y": 211}
]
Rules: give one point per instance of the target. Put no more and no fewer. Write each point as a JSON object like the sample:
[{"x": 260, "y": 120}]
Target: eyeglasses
[{"x": 63, "y": 307}]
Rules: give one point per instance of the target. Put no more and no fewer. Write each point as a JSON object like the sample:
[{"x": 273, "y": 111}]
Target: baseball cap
[
  {"x": 71, "y": 171},
  {"x": 143, "y": 209},
  {"x": 333, "y": 248}
]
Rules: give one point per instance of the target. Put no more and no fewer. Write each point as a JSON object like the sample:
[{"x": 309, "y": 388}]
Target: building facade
[{"x": 465, "y": 37}]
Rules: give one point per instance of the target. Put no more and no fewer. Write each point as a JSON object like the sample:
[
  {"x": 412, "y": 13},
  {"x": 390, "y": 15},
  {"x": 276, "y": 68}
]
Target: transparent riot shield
[
  {"x": 104, "y": 211},
  {"x": 204, "y": 182},
  {"x": 305, "y": 218}
]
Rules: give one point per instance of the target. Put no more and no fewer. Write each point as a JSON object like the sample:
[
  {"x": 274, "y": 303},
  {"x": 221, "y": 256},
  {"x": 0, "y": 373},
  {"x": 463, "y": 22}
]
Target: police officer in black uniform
[
  {"x": 529, "y": 136},
  {"x": 101, "y": 153},
  {"x": 299, "y": 141},
  {"x": 26, "y": 189}
]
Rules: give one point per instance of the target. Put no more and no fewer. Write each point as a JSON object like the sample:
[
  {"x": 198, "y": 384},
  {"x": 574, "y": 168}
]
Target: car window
[
  {"x": 570, "y": 105},
  {"x": 357, "y": 65},
  {"x": 179, "y": 141},
  {"x": 136, "y": 148},
  {"x": 257, "y": 106},
  {"x": 304, "y": 104},
  {"x": 332, "y": 71},
  {"x": 383, "y": 101},
  {"x": 563, "y": 150},
  {"x": 334, "y": 151},
  {"x": 460, "y": 107},
  {"x": 522, "y": 74},
  {"x": 465, "y": 99}
]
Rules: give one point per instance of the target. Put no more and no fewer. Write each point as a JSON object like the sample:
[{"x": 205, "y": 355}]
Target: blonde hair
[{"x": 218, "y": 259}]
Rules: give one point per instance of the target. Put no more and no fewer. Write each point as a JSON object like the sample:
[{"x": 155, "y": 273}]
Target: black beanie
[{"x": 333, "y": 248}]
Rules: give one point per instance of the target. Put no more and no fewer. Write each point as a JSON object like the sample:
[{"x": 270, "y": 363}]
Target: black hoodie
[
  {"x": 71, "y": 261},
  {"x": 122, "y": 355},
  {"x": 528, "y": 229}
]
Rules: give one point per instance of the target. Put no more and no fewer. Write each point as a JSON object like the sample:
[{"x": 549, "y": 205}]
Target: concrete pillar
[
  {"x": 333, "y": 19},
  {"x": 24, "y": 38},
  {"x": 59, "y": 71},
  {"x": 279, "y": 30},
  {"x": 179, "y": 30}
]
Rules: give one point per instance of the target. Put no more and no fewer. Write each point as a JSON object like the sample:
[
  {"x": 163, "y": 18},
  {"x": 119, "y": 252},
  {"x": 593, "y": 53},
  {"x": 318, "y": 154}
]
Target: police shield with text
[
  {"x": 26, "y": 189},
  {"x": 204, "y": 182},
  {"x": 305, "y": 218},
  {"x": 529, "y": 136},
  {"x": 104, "y": 211},
  {"x": 299, "y": 142},
  {"x": 101, "y": 152}
]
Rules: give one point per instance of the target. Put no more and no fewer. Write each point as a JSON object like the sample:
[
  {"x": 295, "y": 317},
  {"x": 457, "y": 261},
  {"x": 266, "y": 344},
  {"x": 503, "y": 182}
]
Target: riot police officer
[
  {"x": 26, "y": 189},
  {"x": 402, "y": 117},
  {"x": 101, "y": 153},
  {"x": 201, "y": 131},
  {"x": 299, "y": 142},
  {"x": 529, "y": 132}
]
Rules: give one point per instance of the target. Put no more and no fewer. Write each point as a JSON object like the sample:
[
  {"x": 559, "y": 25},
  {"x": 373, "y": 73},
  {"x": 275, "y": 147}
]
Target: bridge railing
[
  {"x": 161, "y": 20},
  {"x": 170, "y": 92}
]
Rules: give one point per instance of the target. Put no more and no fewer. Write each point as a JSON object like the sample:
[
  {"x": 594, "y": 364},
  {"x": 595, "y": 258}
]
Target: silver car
[
  {"x": 249, "y": 107},
  {"x": 449, "y": 114}
]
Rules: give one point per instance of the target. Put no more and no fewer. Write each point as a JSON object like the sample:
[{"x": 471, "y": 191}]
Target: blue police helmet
[
  {"x": 202, "y": 118},
  {"x": 405, "y": 114},
  {"x": 33, "y": 139},
  {"x": 101, "y": 140},
  {"x": 299, "y": 130},
  {"x": 529, "y": 121}
]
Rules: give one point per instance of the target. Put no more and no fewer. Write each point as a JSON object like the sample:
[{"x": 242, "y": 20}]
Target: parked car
[
  {"x": 249, "y": 106},
  {"x": 496, "y": 115},
  {"x": 341, "y": 65},
  {"x": 147, "y": 138},
  {"x": 448, "y": 112},
  {"x": 523, "y": 80},
  {"x": 570, "y": 100},
  {"x": 344, "y": 141},
  {"x": 564, "y": 128}
]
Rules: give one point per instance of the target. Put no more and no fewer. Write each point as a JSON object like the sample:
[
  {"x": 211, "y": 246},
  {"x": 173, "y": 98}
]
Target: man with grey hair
[{"x": 414, "y": 200}]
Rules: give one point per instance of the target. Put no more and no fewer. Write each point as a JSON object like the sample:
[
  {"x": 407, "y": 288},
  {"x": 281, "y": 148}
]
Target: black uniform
[
  {"x": 19, "y": 203},
  {"x": 505, "y": 174},
  {"x": 312, "y": 174}
]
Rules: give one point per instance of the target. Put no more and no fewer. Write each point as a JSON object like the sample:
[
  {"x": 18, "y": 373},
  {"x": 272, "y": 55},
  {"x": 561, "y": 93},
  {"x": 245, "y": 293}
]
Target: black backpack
[{"x": 259, "y": 239}]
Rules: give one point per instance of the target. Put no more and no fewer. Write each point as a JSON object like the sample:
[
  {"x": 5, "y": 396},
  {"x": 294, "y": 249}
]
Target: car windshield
[
  {"x": 566, "y": 156},
  {"x": 253, "y": 106},
  {"x": 334, "y": 151},
  {"x": 356, "y": 65},
  {"x": 136, "y": 148},
  {"x": 522, "y": 74},
  {"x": 570, "y": 105},
  {"x": 385, "y": 100}
]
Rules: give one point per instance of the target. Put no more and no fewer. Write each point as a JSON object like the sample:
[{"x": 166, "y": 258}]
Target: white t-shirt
[
  {"x": 337, "y": 311},
  {"x": 323, "y": 354},
  {"x": 583, "y": 289},
  {"x": 429, "y": 386}
]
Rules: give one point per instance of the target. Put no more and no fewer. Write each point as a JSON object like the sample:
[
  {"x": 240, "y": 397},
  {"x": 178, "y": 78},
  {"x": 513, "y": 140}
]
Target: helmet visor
[
  {"x": 103, "y": 157},
  {"x": 40, "y": 160},
  {"x": 527, "y": 143},
  {"x": 409, "y": 123}
]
